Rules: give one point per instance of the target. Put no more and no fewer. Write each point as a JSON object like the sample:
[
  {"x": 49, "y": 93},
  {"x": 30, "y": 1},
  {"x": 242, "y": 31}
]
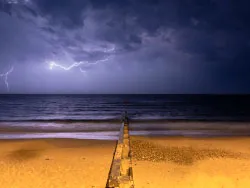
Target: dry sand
[
  {"x": 158, "y": 162},
  {"x": 180, "y": 162},
  {"x": 55, "y": 163}
]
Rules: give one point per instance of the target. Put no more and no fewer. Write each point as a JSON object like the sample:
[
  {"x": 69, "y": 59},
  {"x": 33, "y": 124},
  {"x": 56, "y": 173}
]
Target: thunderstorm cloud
[{"x": 128, "y": 46}]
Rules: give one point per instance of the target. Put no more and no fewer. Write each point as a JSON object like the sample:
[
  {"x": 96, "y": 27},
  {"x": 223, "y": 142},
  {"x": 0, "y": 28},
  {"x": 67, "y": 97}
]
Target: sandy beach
[
  {"x": 191, "y": 162},
  {"x": 55, "y": 163},
  {"x": 157, "y": 162}
]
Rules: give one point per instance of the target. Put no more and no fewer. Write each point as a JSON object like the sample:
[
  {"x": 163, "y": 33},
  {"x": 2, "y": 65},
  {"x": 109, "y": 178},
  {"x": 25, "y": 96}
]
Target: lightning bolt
[
  {"x": 53, "y": 64},
  {"x": 5, "y": 76},
  {"x": 110, "y": 50},
  {"x": 101, "y": 60},
  {"x": 96, "y": 62},
  {"x": 83, "y": 71}
]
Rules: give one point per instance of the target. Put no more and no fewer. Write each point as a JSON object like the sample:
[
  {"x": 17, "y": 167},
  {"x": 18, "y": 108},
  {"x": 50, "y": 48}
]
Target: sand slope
[{"x": 55, "y": 163}]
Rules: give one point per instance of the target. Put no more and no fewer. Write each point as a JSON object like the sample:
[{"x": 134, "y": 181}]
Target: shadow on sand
[{"x": 23, "y": 154}]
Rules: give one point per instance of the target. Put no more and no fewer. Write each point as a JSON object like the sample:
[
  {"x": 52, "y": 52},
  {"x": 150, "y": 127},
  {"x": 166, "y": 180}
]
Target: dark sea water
[
  {"x": 63, "y": 114},
  {"x": 139, "y": 107}
]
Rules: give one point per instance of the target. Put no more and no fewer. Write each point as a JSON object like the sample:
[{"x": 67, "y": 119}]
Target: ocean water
[
  {"x": 110, "y": 107},
  {"x": 98, "y": 116}
]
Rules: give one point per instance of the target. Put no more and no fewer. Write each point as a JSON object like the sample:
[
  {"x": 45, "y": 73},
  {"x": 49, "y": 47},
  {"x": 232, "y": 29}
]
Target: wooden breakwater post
[{"x": 120, "y": 174}]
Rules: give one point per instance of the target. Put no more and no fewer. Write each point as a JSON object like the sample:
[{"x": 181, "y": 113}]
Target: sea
[{"x": 99, "y": 116}]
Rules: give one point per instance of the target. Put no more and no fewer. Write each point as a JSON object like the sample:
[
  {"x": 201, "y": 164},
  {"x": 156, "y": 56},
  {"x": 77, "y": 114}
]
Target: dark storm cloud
[{"x": 178, "y": 46}]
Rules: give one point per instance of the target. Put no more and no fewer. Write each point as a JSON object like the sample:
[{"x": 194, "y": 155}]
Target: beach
[
  {"x": 55, "y": 163},
  {"x": 197, "y": 161},
  {"x": 191, "y": 162}
]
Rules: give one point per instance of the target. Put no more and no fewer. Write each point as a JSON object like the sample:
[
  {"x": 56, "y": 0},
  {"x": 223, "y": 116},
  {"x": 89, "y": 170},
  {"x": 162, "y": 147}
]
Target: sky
[{"x": 124, "y": 47}]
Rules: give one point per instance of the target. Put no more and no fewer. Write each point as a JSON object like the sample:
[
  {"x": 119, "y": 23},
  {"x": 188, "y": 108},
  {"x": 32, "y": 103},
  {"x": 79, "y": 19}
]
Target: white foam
[{"x": 89, "y": 135}]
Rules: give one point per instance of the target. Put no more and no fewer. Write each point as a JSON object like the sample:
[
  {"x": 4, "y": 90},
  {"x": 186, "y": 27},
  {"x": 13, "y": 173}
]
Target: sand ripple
[{"x": 147, "y": 151}]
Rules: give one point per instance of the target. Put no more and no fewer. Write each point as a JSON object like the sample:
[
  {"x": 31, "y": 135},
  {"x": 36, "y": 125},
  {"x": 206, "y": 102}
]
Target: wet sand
[
  {"x": 51, "y": 127},
  {"x": 191, "y": 162},
  {"x": 50, "y": 163}
]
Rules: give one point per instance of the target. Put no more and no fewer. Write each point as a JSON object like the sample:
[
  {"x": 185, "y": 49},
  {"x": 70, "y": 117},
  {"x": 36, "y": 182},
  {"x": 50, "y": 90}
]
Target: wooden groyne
[{"x": 121, "y": 174}]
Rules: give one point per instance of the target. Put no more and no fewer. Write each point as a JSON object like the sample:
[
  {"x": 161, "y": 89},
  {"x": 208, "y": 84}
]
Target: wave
[
  {"x": 132, "y": 119},
  {"x": 141, "y": 118},
  {"x": 91, "y": 136},
  {"x": 113, "y": 135},
  {"x": 61, "y": 120}
]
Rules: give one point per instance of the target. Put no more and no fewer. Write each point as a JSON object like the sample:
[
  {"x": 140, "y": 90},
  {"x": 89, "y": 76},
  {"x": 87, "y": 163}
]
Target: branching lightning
[
  {"x": 96, "y": 62},
  {"x": 83, "y": 71},
  {"x": 82, "y": 64},
  {"x": 110, "y": 50},
  {"x": 5, "y": 76},
  {"x": 53, "y": 64}
]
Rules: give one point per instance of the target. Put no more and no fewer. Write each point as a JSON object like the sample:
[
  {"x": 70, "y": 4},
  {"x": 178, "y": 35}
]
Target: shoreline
[
  {"x": 170, "y": 129},
  {"x": 132, "y": 120}
]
